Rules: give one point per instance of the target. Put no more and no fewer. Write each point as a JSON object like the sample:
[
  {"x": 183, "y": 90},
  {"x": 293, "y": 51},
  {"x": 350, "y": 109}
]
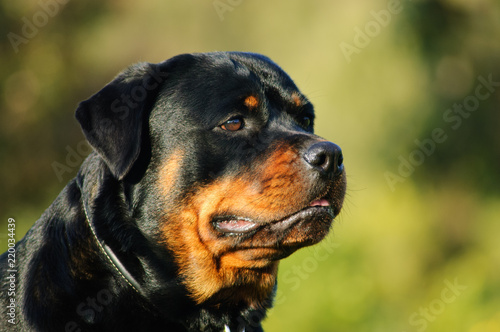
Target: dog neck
[{"x": 113, "y": 259}]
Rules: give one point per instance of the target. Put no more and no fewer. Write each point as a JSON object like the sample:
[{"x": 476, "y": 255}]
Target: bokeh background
[{"x": 409, "y": 89}]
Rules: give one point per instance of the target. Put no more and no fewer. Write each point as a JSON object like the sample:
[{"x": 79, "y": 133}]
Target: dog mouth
[{"x": 234, "y": 225}]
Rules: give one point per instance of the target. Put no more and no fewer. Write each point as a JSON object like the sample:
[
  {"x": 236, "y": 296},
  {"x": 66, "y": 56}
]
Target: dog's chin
[{"x": 279, "y": 238}]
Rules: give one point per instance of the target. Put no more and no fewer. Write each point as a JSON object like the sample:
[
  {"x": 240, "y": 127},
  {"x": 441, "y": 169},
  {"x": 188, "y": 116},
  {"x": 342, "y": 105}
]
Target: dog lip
[
  {"x": 235, "y": 225},
  {"x": 305, "y": 213},
  {"x": 320, "y": 202},
  {"x": 240, "y": 225}
]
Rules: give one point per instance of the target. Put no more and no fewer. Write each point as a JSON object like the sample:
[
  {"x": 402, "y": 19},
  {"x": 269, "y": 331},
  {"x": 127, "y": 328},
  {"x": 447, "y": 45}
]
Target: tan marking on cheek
[
  {"x": 269, "y": 193},
  {"x": 283, "y": 185},
  {"x": 211, "y": 268},
  {"x": 251, "y": 102},
  {"x": 207, "y": 273},
  {"x": 169, "y": 172}
]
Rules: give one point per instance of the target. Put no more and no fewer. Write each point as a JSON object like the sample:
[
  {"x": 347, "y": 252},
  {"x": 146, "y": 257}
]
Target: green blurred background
[{"x": 408, "y": 89}]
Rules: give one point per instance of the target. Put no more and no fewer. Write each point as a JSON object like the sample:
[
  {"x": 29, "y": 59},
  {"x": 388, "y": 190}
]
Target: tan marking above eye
[
  {"x": 296, "y": 99},
  {"x": 251, "y": 102}
]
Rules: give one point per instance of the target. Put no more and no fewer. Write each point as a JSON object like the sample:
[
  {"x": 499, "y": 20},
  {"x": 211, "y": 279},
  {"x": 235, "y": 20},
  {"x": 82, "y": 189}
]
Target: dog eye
[
  {"x": 233, "y": 124},
  {"x": 305, "y": 121}
]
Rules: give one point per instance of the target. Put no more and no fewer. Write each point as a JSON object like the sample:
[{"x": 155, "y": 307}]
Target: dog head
[{"x": 228, "y": 174}]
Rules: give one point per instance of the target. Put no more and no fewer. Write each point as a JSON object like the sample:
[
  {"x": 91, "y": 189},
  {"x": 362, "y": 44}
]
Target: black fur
[{"x": 64, "y": 280}]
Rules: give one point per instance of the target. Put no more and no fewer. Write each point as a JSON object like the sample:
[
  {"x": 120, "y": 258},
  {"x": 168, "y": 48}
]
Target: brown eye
[
  {"x": 233, "y": 124},
  {"x": 305, "y": 122}
]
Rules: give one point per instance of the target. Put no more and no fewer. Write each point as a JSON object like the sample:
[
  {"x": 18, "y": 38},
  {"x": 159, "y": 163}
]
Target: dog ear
[{"x": 113, "y": 119}]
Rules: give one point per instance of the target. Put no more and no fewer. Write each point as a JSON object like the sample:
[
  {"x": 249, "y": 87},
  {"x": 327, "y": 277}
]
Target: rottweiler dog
[{"x": 205, "y": 174}]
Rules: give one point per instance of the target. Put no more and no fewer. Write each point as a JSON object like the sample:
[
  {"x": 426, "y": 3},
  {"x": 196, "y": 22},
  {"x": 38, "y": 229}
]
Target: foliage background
[{"x": 395, "y": 248}]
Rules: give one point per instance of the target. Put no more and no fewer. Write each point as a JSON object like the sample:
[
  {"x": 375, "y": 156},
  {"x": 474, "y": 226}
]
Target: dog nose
[{"x": 325, "y": 157}]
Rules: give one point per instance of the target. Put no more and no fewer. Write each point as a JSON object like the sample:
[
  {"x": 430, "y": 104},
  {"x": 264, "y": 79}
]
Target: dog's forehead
[
  {"x": 218, "y": 80},
  {"x": 228, "y": 70}
]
